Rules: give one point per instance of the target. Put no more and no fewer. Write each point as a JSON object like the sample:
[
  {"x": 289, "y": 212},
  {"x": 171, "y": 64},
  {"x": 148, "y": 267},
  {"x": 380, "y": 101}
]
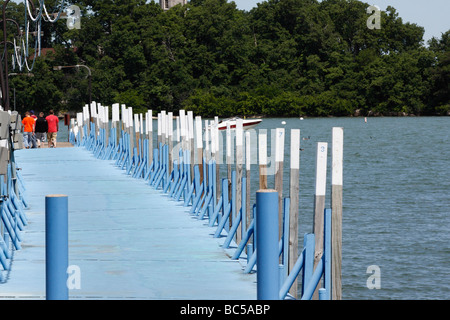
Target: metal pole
[
  {"x": 57, "y": 246},
  {"x": 4, "y": 63},
  {"x": 267, "y": 244}
]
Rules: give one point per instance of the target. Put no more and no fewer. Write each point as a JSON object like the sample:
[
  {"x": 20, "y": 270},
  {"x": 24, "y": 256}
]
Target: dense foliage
[{"x": 283, "y": 58}]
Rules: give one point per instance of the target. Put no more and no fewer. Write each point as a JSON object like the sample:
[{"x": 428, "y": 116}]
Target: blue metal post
[
  {"x": 214, "y": 177},
  {"x": 232, "y": 232},
  {"x": 313, "y": 282},
  {"x": 57, "y": 246},
  {"x": 285, "y": 236},
  {"x": 286, "y": 286},
  {"x": 233, "y": 196},
  {"x": 245, "y": 239},
  {"x": 225, "y": 201},
  {"x": 327, "y": 255},
  {"x": 215, "y": 215},
  {"x": 244, "y": 205},
  {"x": 249, "y": 251},
  {"x": 308, "y": 264},
  {"x": 212, "y": 182},
  {"x": 226, "y": 209},
  {"x": 267, "y": 244},
  {"x": 254, "y": 231},
  {"x": 188, "y": 171}
]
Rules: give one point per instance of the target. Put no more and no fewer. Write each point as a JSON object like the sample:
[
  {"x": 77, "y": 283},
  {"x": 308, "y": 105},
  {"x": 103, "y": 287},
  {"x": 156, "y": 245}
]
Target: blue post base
[
  {"x": 56, "y": 247},
  {"x": 267, "y": 243}
]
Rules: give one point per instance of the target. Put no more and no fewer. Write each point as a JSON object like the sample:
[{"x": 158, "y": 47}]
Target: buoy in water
[{"x": 283, "y": 122}]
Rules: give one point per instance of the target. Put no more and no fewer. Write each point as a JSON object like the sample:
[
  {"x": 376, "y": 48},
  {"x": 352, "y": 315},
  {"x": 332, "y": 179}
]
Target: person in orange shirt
[{"x": 28, "y": 130}]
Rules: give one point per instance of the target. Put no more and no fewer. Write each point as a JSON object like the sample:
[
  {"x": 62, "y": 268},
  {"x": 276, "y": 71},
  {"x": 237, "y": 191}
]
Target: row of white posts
[{"x": 92, "y": 128}]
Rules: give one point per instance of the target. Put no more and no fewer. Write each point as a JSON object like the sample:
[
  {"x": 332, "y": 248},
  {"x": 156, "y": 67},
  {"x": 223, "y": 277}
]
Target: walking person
[
  {"x": 28, "y": 130},
  {"x": 53, "y": 127},
  {"x": 40, "y": 129},
  {"x": 33, "y": 138}
]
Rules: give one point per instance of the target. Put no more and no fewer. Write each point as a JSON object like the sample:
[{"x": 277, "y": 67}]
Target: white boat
[{"x": 246, "y": 123}]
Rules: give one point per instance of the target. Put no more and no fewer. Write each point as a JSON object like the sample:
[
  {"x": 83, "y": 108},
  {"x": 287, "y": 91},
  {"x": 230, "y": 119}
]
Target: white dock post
[
  {"x": 279, "y": 159},
  {"x": 115, "y": 122},
  {"x": 319, "y": 202},
  {"x": 336, "y": 209},
  {"x": 218, "y": 157},
  {"x": 140, "y": 132},
  {"x": 80, "y": 126},
  {"x": 170, "y": 138},
  {"x": 130, "y": 131},
  {"x": 262, "y": 157},
  {"x": 207, "y": 142},
  {"x": 199, "y": 136},
  {"x": 159, "y": 130},
  {"x": 136, "y": 131},
  {"x": 248, "y": 215},
  {"x": 150, "y": 136},
  {"x": 182, "y": 116},
  {"x": 106, "y": 125},
  {"x": 163, "y": 127},
  {"x": 294, "y": 203},
  {"x": 239, "y": 167},
  {"x": 190, "y": 126}
]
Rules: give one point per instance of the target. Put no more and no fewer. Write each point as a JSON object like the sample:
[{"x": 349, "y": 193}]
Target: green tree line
[{"x": 283, "y": 58}]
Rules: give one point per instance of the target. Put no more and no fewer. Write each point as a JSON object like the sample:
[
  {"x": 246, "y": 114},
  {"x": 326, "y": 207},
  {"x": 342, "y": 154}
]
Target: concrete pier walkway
[{"x": 129, "y": 240}]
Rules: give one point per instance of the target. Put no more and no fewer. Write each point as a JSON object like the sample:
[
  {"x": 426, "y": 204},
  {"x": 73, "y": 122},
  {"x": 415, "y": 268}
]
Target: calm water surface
[{"x": 396, "y": 206}]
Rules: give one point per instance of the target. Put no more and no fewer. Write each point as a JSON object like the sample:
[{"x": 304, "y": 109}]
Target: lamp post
[
  {"x": 4, "y": 64},
  {"x": 89, "y": 76},
  {"x": 4, "y": 74}
]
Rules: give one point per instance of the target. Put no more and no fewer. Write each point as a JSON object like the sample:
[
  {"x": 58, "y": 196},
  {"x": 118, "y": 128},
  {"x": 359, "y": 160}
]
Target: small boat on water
[{"x": 246, "y": 123}]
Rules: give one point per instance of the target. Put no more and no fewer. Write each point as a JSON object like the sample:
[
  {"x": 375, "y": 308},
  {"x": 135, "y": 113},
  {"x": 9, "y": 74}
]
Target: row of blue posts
[
  {"x": 268, "y": 260},
  {"x": 13, "y": 218},
  {"x": 12, "y": 208}
]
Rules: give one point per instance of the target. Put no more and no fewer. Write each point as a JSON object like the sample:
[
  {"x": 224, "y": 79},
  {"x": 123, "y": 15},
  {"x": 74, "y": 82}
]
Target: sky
[{"x": 433, "y": 15}]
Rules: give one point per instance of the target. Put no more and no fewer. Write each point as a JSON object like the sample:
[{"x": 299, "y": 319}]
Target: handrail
[
  {"x": 12, "y": 191},
  {"x": 198, "y": 191},
  {"x": 292, "y": 276}
]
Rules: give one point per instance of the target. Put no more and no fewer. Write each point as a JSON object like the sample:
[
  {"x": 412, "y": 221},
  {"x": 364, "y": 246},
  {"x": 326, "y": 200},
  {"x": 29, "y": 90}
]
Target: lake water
[{"x": 396, "y": 200}]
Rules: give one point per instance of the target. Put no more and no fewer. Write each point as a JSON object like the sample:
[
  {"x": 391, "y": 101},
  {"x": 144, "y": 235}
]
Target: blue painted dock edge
[{"x": 128, "y": 240}]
